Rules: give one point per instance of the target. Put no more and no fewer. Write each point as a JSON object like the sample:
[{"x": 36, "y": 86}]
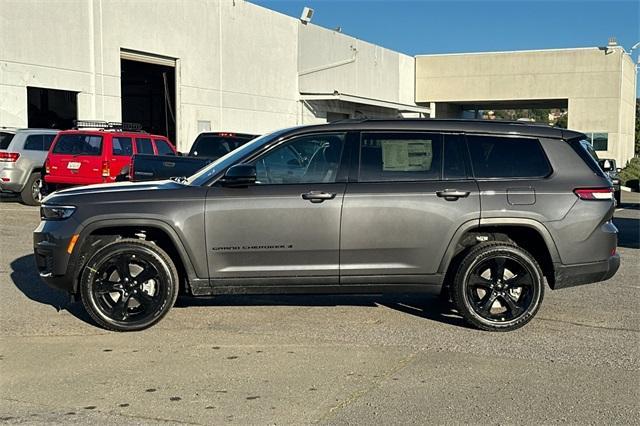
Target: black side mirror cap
[{"x": 240, "y": 175}]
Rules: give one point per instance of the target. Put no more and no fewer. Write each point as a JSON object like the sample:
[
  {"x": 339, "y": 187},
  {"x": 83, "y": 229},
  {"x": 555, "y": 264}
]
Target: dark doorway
[
  {"x": 51, "y": 109},
  {"x": 148, "y": 97}
]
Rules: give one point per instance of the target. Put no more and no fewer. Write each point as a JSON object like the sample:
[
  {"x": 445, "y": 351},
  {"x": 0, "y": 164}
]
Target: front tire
[
  {"x": 129, "y": 285},
  {"x": 32, "y": 193},
  {"x": 498, "y": 287}
]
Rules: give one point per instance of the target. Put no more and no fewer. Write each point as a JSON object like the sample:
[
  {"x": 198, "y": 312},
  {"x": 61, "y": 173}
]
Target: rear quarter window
[
  {"x": 78, "y": 144},
  {"x": 507, "y": 157},
  {"x": 121, "y": 146},
  {"x": 5, "y": 139}
]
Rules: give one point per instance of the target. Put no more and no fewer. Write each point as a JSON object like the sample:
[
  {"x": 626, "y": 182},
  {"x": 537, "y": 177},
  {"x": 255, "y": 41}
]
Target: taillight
[
  {"x": 131, "y": 170},
  {"x": 9, "y": 157},
  {"x": 105, "y": 169},
  {"x": 594, "y": 194},
  {"x": 47, "y": 166}
]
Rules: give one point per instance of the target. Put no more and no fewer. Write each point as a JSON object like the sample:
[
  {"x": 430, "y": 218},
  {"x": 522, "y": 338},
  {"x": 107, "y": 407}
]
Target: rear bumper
[
  {"x": 74, "y": 180},
  {"x": 585, "y": 273},
  {"x": 11, "y": 179}
]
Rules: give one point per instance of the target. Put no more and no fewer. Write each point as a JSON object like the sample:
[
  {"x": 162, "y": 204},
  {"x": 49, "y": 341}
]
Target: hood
[{"x": 110, "y": 190}]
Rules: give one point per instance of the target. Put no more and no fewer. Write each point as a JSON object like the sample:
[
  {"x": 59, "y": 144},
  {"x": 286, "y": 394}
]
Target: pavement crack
[
  {"x": 598, "y": 327},
  {"x": 356, "y": 395}
]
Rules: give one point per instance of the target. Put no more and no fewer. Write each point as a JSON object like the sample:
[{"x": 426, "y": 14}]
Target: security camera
[{"x": 307, "y": 13}]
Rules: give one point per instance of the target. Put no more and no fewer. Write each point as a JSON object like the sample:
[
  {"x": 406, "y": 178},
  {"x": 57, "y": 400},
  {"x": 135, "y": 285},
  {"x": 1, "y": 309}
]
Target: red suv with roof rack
[{"x": 97, "y": 152}]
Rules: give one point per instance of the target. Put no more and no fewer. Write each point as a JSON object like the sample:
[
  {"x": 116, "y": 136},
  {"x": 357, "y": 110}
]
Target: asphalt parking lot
[{"x": 328, "y": 360}]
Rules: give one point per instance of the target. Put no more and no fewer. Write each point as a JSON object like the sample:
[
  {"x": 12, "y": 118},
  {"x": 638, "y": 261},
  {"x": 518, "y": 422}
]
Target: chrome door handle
[
  {"x": 452, "y": 194},
  {"x": 318, "y": 196}
]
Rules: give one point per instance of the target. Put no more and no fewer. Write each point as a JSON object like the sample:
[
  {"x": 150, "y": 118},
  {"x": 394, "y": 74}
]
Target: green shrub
[{"x": 630, "y": 175}]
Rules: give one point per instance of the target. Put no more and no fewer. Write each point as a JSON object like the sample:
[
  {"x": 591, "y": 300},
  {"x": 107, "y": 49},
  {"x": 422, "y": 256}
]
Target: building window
[{"x": 599, "y": 141}]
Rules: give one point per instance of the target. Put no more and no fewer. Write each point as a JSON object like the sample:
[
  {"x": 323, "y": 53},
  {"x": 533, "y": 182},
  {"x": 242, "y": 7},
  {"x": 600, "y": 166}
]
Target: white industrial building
[
  {"x": 234, "y": 66},
  {"x": 182, "y": 67}
]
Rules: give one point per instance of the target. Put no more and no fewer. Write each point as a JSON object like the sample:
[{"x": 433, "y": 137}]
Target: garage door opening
[
  {"x": 148, "y": 96},
  {"x": 51, "y": 109}
]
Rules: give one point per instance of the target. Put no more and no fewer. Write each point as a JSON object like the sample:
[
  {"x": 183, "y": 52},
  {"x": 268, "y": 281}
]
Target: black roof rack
[{"x": 107, "y": 125}]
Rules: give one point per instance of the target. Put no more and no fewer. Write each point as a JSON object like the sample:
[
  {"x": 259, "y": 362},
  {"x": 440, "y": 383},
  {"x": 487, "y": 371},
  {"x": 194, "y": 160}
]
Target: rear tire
[
  {"x": 32, "y": 193},
  {"x": 498, "y": 287},
  {"x": 128, "y": 285}
]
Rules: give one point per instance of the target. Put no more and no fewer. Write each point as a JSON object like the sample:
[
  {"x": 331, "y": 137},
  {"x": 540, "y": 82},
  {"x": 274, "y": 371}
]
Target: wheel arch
[
  {"x": 529, "y": 234},
  {"x": 161, "y": 233}
]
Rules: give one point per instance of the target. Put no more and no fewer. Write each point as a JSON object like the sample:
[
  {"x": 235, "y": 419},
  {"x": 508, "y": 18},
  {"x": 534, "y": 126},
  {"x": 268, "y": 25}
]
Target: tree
[{"x": 637, "y": 145}]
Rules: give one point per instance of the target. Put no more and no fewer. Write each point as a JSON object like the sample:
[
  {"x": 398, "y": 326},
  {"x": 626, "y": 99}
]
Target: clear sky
[{"x": 429, "y": 26}]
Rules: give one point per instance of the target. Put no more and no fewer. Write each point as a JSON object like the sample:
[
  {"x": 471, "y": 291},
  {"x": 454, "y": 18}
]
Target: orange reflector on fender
[{"x": 72, "y": 243}]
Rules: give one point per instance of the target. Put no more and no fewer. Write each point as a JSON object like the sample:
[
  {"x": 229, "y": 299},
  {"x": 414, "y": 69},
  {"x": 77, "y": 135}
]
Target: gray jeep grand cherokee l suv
[{"x": 487, "y": 211}]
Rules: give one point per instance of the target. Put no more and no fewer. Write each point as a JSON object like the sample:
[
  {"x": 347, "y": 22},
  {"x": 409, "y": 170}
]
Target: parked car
[
  {"x": 485, "y": 210},
  {"x": 608, "y": 165},
  {"x": 22, "y": 156},
  {"x": 84, "y": 156},
  {"x": 206, "y": 148}
]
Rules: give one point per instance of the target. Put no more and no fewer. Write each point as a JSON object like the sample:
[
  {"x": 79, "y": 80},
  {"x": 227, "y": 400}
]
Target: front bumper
[
  {"x": 56, "y": 267},
  {"x": 585, "y": 273}
]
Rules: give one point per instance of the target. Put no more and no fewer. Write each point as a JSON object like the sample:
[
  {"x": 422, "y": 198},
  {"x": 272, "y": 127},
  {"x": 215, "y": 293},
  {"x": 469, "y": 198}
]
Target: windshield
[
  {"x": 78, "y": 144},
  {"x": 233, "y": 157},
  {"x": 5, "y": 139}
]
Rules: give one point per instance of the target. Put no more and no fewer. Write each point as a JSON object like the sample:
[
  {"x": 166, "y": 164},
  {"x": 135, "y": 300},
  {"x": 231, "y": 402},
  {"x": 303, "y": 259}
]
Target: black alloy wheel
[
  {"x": 129, "y": 285},
  {"x": 498, "y": 287}
]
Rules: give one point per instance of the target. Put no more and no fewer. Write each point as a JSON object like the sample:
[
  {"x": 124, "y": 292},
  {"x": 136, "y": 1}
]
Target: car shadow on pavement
[
  {"x": 628, "y": 232},
  {"x": 25, "y": 277},
  {"x": 426, "y": 306}
]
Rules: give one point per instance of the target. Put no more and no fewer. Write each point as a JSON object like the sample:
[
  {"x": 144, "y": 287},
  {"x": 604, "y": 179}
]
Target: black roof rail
[{"x": 107, "y": 125}]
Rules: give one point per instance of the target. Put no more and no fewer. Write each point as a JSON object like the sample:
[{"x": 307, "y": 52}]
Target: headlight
[{"x": 48, "y": 212}]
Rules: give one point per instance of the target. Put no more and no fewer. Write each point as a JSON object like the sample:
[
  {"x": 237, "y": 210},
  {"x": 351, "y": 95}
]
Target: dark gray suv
[{"x": 483, "y": 211}]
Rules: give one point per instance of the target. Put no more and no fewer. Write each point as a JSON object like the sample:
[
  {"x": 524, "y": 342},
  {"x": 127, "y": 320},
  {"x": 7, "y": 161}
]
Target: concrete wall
[
  {"x": 236, "y": 63},
  {"x": 330, "y": 61},
  {"x": 599, "y": 86},
  {"x": 224, "y": 74}
]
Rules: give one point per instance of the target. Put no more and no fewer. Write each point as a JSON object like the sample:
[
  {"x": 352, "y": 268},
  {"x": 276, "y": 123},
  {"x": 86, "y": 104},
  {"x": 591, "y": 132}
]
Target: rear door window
[
  {"x": 144, "y": 146},
  {"x": 507, "y": 157},
  {"x": 163, "y": 147},
  {"x": 455, "y": 158},
  {"x": 78, "y": 144},
  {"x": 400, "y": 157},
  {"x": 121, "y": 146},
  {"x": 34, "y": 143}
]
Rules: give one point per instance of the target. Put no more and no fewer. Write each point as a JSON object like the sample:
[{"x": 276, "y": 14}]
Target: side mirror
[
  {"x": 606, "y": 165},
  {"x": 240, "y": 175},
  {"x": 123, "y": 176}
]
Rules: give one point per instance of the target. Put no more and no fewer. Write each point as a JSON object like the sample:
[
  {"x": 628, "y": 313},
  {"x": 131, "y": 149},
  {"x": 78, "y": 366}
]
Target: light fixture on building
[
  {"x": 307, "y": 13},
  {"x": 613, "y": 42}
]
